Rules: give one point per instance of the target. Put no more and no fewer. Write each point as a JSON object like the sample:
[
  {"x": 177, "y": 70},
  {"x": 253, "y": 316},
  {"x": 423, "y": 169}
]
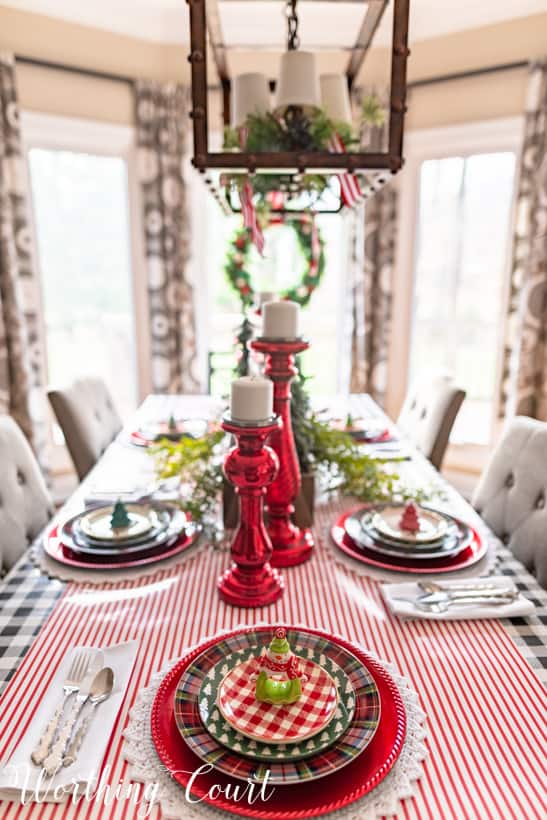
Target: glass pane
[
  {"x": 82, "y": 223},
  {"x": 463, "y": 237},
  {"x": 279, "y": 269}
]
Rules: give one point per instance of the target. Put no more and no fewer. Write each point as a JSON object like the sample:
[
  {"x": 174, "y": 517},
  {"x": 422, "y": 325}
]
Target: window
[
  {"x": 461, "y": 245},
  {"x": 81, "y": 217},
  {"x": 79, "y": 177},
  {"x": 280, "y": 267}
]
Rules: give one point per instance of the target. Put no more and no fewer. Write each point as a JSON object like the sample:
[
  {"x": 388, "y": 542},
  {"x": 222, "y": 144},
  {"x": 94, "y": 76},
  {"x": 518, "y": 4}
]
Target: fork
[{"x": 76, "y": 673}]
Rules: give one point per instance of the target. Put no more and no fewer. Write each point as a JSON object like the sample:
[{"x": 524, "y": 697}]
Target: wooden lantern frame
[{"x": 204, "y": 18}]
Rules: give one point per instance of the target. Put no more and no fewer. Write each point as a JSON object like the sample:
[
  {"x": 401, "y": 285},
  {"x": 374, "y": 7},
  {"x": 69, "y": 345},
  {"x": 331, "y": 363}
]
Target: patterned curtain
[
  {"x": 373, "y": 258},
  {"x": 524, "y": 378},
  {"x": 161, "y": 120},
  {"x": 22, "y": 393}
]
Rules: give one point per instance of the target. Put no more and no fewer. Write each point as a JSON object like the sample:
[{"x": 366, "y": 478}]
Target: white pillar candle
[
  {"x": 280, "y": 320},
  {"x": 252, "y": 399},
  {"x": 266, "y": 296}
]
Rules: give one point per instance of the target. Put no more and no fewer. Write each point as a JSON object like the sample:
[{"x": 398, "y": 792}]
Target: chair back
[
  {"x": 428, "y": 415},
  {"x": 511, "y": 495},
  {"x": 89, "y": 421},
  {"x": 25, "y": 503}
]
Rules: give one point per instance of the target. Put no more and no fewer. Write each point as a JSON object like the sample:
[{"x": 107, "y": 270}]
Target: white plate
[
  {"x": 433, "y": 526},
  {"x": 96, "y": 523}
]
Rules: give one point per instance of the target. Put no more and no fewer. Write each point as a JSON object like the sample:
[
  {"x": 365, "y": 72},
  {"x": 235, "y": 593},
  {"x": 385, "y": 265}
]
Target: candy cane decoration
[
  {"x": 249, "y": 217},
  {"x": 349, "y": 184}
]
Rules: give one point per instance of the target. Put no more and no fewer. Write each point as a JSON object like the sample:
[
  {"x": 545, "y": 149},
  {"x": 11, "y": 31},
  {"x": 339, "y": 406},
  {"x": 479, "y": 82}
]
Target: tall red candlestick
[
  {"x": 291, "y": 545},
  {"x": 251, "y": 467}
]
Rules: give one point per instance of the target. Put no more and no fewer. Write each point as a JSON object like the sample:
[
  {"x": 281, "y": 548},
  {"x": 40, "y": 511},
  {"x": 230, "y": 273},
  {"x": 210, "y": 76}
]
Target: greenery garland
[{"x": 237, "y": 260}]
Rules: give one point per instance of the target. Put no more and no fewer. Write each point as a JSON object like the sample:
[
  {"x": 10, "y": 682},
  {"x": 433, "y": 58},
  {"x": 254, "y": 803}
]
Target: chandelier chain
[{"x": 293, "y": 40}]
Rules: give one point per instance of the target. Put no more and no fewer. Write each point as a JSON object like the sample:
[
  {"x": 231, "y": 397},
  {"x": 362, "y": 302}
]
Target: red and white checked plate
[{"x": 280, "y": 723}]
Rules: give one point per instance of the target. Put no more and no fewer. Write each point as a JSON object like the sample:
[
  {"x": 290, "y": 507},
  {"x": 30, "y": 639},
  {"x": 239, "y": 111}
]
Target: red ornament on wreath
[{"x": 310, "y": 244}]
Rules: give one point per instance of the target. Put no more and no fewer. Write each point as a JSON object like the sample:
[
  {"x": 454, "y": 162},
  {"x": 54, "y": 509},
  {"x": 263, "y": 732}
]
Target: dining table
[{"x": 480, "y": 683}]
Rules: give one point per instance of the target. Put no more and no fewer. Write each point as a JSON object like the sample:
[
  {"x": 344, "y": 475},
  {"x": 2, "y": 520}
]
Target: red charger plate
[
  {"x": 54, "y": 547},
  {"x": 468, "y": 556},
  {"x": 295, "y": 801}
]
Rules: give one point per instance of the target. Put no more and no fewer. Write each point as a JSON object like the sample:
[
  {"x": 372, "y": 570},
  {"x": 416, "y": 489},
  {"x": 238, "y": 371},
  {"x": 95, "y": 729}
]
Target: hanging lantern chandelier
[{"x": 299, "y": 148}]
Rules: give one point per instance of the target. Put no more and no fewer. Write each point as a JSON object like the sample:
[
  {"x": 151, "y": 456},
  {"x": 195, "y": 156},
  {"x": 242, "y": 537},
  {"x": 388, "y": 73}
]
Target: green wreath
[{"x": 237, "y": 260}]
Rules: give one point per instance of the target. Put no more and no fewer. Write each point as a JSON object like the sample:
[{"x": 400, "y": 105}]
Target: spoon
[
  {"x": 484, "y": 586},
  {"x": 100, "y": 690}
]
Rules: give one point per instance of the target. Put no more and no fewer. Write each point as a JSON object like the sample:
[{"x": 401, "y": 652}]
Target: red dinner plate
[
  {"x": 469, "y": 555},
  {"x": 381, "y": 438},
  {"x": 54, "y": 547},
  {"x": 294, "y": 801}
]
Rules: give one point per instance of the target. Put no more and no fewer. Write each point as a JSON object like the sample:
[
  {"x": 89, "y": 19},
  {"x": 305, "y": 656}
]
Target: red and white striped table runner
[{"x": 484, "y": 703}]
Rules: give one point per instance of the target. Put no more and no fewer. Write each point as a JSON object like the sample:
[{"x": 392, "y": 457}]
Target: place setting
[
  {"x": 120, "y": 538},
  {"x": 365, "y": 430},
  {"x": 172, "y": 429},
  {"x": 68, "y": 732},
  {"x": 408, "y": 538},
  {"x": 279, "y": 707}
]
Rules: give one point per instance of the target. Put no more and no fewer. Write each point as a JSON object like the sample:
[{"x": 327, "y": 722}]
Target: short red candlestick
[
  {"x": 291, "y": 544},
  {"x": 251, "y": 467}
]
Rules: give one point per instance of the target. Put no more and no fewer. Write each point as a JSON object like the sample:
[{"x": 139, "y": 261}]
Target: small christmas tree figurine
[
  {"x": 172, "y": 424},
  {"x": 410, "y": 521},
  {"x": 280, "y": 677},
  {"x": 244, "y": 335},
  {"x": 120, "y": 518}
]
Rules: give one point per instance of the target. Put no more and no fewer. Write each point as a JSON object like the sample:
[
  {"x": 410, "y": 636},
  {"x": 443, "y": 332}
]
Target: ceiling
[{"x": 324, "y": 24}]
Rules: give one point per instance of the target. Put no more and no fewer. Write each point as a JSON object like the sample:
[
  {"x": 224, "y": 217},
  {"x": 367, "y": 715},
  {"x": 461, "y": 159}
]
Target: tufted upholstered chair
[
  {"x": 428, "y": 415},
  {"x": 88, "y": 419},
  {"x": 25, "y": 504},
  {"x": 512, "y": 493}
]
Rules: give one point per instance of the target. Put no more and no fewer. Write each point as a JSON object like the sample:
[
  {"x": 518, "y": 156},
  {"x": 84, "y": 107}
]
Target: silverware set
[
  {"x": 438, "y": 598},
  {"x": 87, "y": 682}
]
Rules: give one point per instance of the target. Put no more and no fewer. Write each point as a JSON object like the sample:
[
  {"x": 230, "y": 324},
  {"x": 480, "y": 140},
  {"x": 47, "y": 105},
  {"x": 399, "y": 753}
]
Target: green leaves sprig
[{"x": 198, "y": 464}]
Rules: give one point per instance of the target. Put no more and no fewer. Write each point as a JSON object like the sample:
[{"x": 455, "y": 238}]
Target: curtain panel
[
  {"x": 524, "y": 375},
  {"x": 22, "y": 367},
  {"x": 161, "y": 122},
  {"x": 373, "y": 257}
]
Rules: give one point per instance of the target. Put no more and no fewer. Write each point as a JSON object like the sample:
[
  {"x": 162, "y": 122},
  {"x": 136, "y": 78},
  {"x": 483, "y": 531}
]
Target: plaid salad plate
[{"x": 324, "y": 760}]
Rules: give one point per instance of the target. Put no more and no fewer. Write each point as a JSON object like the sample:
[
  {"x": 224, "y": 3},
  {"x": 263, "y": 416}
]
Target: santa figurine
[
  {"x": 280, "y": 676},
  {"x": 410, "y": 521}
]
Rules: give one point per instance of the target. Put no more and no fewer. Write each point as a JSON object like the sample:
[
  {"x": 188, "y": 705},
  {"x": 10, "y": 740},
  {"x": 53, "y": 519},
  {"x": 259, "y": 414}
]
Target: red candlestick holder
[
  {"x": 251, "y": 466},
  {"x": 291, "y": 545}
]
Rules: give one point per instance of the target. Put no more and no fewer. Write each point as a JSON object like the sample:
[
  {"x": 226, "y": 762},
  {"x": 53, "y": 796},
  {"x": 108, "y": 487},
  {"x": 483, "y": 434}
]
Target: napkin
[
  {"x": 399, "y": 597},
  {"x": 23, "y": 781}
]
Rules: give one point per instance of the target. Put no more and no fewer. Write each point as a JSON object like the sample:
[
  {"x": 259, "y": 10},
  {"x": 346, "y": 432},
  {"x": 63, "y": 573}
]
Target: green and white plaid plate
[{"x": 271, "y": 752}]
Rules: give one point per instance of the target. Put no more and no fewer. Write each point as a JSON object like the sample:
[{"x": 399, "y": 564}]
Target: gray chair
[
  {"x": 511, "y": 495},
  {"x": 25, "y": 503},
  {"x": 428, "y": 415},
  {"x": 89, "y": 421}
]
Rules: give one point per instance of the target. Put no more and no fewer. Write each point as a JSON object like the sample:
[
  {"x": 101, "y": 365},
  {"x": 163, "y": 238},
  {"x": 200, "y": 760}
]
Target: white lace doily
[
  {"x": 483, "y": 567},
  {"x": 112, "y": 576},
  {"x": 145, "y": 766}
]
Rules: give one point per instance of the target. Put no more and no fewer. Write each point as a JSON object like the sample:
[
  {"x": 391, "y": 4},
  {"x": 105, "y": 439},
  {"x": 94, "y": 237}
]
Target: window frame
[
  {"x": 466, "y": 139},
  {"x": 58, "y": 133}
]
